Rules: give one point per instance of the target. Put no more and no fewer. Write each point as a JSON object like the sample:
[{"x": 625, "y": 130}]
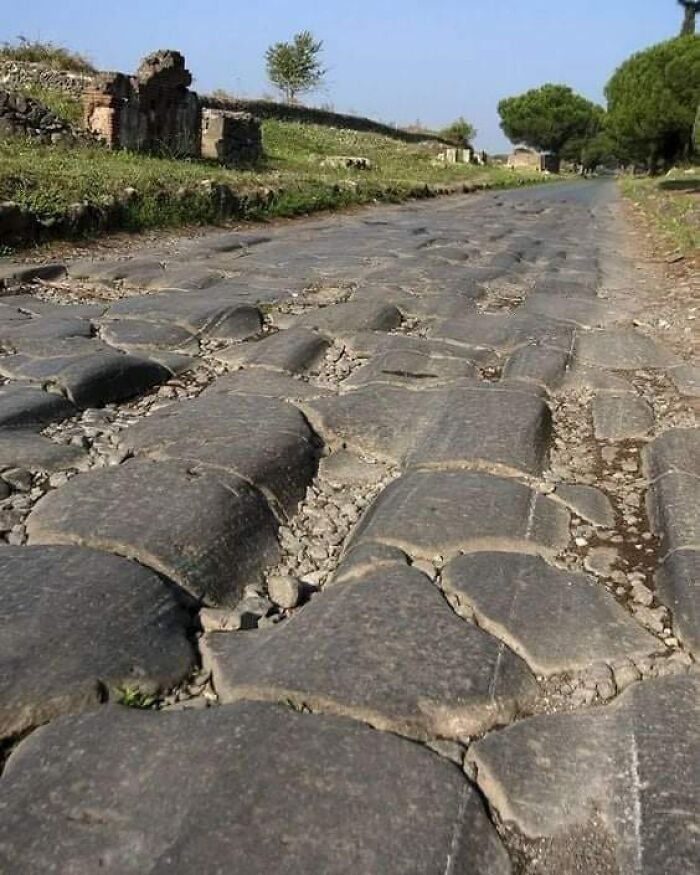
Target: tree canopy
[
  {"x": 551, "y": 118},
  {"x": 295, "y": 67},
  {"x": 653, "y": 100},
  {"x": 460, "y": 132}
]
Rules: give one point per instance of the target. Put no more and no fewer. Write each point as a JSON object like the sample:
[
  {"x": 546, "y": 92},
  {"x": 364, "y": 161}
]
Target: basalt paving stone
[
  {"x": 344, "y": 467},
  {"x": 133, "y": 334},
  {"x": 21, "y": 448},
  {"x": 132, "y": 272},
  {"x": 429, "y": 513},
  {"x": 686, "y": 379},
  {"x": 633, "y": 762},
  {"x": 211, "y": 539},
  {"x": 96, "y": 792},
  {"x": 293, "y": 351},
  {"x": 411, "y": 368},
  {"x": 505, "y": 333},
  {"x": 352, "y": 316},
  {"x": 584, "y": 312},
  {"x": 365, "y": 559},
  {"x": 26, "y": 305},
  {"x": 580, "y": 378},
  {"x": 366, "y": 344},
  {"x": 89, "y": 380},
  {"x": 222, "y": 243},
  {"x": 540, "y": 365},
  {"x": 556, "y": 620},
  {"x": 621, "y": 417},
  {"x": 23, "y": 407},
  {"x": 268, "y": 384},
  {"x": 676, "y": 450},
  {"x": 477, "y": 426},
  {"x": 587, "y": 502},
  {"x": 678, "y": 587},
  {"x": 186, "y": 277},
  {"x": 672, "y": 503},
  {"x": 621, "y": 349},
  {"x": 264, "y": 441},
  {"x": 385, "y": 649},
  {"x": 77, "y": 624},
  {"x": 31, "y": 348}
]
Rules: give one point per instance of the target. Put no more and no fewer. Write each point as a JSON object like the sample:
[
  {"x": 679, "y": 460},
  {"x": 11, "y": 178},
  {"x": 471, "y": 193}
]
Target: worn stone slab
[
  {"x": 262, "y": 440},
  {"x": 470, "y": 426},
  {"x": 540, "y": 365},
  {"x": 429, "y": 513},
  {"x": 676, "y": 450},
  {"x": 211, "y": 539},
  {"x": 346, "y": 468},
  {"x": 584, "y": 312},
  {"x": 268, "y": 384},
  {"x": 132, "y": 272},
  {"x": 634, "y": 763},
  {"x": 621, "y": 349},
  {"x": 411, "y": 368},
  {"x": 90, "y": 380},
  {"x": 581, "y": 378},
  {"x": 686, "y": 379},
  {"x": 133, "y": 334},
  {"x": 556, "y": 620},
  {"x": 293, "y": 351},
  {"x": 367, "y": 344},
  {"x": 25, "y": 407},
  {"x": 588, "y": 502},
  {"x": 77, "y": 626},
  {"x": 678, "y": 587},
  {"x": 21, "y": 448},
  {"x": 259, "y": 789},
  {"x": 387, "y": 649},
  {"x": 504, "y": 333},
  {"x": 621, "y": 417},
  {"x": 672, "y": 503},
  {"x": 339, "y": 319},
  {"x": 367, "y": 558}
]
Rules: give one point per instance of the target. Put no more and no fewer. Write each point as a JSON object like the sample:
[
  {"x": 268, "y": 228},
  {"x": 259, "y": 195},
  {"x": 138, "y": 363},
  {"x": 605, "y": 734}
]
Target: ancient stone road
[{"x": 392, "y": 516}]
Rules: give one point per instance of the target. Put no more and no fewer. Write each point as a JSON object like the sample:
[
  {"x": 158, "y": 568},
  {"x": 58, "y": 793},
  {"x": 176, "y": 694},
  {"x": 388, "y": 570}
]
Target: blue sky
[{"x": 397, "y": 61}]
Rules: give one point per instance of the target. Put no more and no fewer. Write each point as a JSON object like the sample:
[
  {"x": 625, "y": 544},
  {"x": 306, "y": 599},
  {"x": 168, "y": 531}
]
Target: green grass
[
  {"x": 64, "y": 106},
  {"x": 48, "y": 179},
  {"x": 671, "y": 204},
  {"x": 132, "y": 697},
  {"x": 49, "y": 54}
]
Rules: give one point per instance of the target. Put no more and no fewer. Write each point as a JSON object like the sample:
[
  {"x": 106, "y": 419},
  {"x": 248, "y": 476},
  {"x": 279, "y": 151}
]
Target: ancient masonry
[
  {"x": 360, "y": 546},
  {"x": 156, "y": 112}
]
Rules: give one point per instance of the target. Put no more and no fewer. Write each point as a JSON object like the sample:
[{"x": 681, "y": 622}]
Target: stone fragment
[
  {"x": 293, "y": 351},
  {"x": 23, "y": 407},
  {"x": 425, "y": 513},
  {"x": 634, "y": 762},
  {"x": 212, "y": 539},
  {"x": 511, "y": 593},
  {"x": 386, "y": 649},
  {"x": 250, "y": 780},
  {"x": 588, "y": 502},
  {"x": 621, "y": 349},
  {"x": 78, "y": 625},
  {"x": 284, "y": 590},
  {"x": 621, "y": 417},
  {"x": 678, "y": 587},
  {"x": 601, "y": 560}
]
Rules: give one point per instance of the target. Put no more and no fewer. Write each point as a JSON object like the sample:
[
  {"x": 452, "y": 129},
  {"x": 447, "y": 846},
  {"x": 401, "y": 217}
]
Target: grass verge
[
  {"x": 50, "y": 180},
  {"x": 670, "y": 203}
]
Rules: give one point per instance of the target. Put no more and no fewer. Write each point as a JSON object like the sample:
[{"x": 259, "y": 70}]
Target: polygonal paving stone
[
  {"x": 97, "y": 792},
  {"x": 429, "y": 513},
  {"x": 621, "y": 417},
  {"x": 633, "y": 762},
  {"x": 581, "y": 378},
  {"x": 672, "y": 503},
  {"x": 264, "y": 441},
  {"x": 385, "y": 649},
  {"x": 678, "y": 587},
  {"x": 504, "y": 334},
  {"x": 293, "y": 351},
  {"x": 587, "y": 502},
  {"x": 212, "y": 539},
  {"x": 134, "y": 334},
  {"x": 686, "y": 379},
  {"x": 621, "y": 349},
  {"x": 676, "y": 450},
  {"x": 339, "y": 319},
  {"x": 268, "y": 384},
  {"x": 537, "y": 364},
  {"x": 584, "y": 312},
  {"x": 511, "y": 595},
  {"x": 470, "y": 426},
  {"x": 24, "y": 407},
  {"x": 413, "y": 369},
  {"x": 21, "y": 448},
  {"x": 76, "y": 624}
]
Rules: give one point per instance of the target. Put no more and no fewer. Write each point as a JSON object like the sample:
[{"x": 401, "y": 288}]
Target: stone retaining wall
[
  {"x": 15, "y": 75},
  {"x": 23, "y": 116}
]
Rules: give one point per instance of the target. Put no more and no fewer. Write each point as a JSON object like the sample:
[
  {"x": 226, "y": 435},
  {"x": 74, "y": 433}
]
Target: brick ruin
[{"x": 155, "y": 112}]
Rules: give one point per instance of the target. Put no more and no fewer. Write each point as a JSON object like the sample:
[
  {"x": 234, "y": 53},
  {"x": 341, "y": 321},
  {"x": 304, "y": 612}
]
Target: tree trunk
[{"x": 691, "y": 10}]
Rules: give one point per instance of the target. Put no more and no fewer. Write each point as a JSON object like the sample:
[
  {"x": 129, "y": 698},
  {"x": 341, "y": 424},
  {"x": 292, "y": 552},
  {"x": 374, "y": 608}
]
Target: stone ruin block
[
  {"x": 231, "y": 138},
  {"x": 153, "y": 111}
]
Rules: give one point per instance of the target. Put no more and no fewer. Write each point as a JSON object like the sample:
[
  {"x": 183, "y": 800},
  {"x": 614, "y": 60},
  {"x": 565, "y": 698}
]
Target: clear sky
[{"x": 395, "y": 60}]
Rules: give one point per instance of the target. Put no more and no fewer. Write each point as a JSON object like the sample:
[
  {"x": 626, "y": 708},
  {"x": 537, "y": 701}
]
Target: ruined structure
[
  {"x": 231, "y": 138},
  {"x": 153, "y": 111},
  {"x": 531, "y": 159}
]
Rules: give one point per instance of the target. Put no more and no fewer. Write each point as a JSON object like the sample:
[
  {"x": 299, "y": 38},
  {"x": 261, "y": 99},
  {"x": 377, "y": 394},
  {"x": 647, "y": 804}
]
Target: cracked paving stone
[
  {"x": 77, "y": 623},
  {"x": 678, "y": 587},
  {"x": 634, "y": 762},
  {"x": 557, "y": 621},
  {"x": 293, "y": 351},
  {"x": 621, "y": 349},
  {"x": 621, "y": 417},
  {"x": 413, "y": 369},
  {"x": 588, "y": 502},
  {"x": 264, "y": 441},
  {"x": 426, "y": 513},
  {"x": 385, "y": 649},
  {"x": 209, "y": 537},
  {"x": 259, "y": 789}
]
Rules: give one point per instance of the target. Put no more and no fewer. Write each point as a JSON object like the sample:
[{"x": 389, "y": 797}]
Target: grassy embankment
[
  {"x": 670, "y": 204},
  {"x": 48, "y": 179}
]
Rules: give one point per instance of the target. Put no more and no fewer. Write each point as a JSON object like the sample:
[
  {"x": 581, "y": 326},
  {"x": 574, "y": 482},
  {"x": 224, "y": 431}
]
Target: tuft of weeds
[{"x": 133, "y": 697}]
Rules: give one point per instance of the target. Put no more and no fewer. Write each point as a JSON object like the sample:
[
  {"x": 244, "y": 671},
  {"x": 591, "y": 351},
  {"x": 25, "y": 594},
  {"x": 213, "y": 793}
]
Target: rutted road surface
[{"x": 394, "y": 514}]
